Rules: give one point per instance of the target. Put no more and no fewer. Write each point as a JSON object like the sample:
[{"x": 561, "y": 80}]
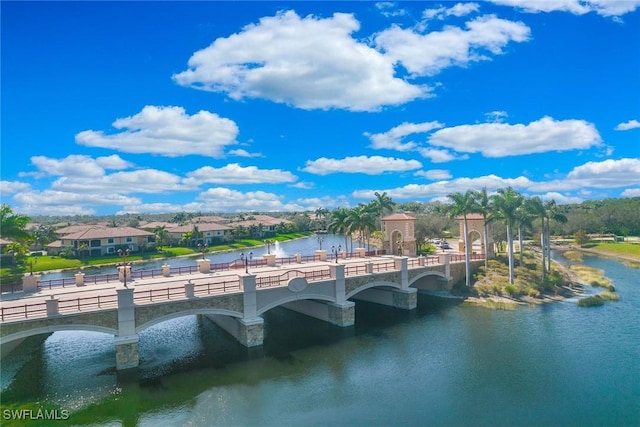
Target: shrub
[
  {"x": 592, "y": 301},
  {"x": 609, "y": 296},
  {"x": 510, "y": 290},
  {"x": 533, "y": 292}
]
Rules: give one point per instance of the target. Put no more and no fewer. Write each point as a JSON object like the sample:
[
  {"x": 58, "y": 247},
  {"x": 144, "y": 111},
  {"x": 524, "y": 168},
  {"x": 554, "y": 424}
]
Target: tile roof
[
  {"x": 398, "y": 217},
  {"x": 100, "y": 232}
]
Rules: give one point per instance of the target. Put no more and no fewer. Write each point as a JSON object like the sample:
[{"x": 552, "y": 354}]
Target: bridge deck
[{"x": 91, "y": 297}]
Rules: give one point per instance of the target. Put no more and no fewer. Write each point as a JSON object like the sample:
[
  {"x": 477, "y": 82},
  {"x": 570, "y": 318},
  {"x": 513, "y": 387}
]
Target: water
[
  {"x": 305, "y": 246},
  {"x": 442, "y": 365}
]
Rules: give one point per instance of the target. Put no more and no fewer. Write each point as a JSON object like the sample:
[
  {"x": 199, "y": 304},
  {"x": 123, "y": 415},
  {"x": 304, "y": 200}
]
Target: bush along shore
[{"x": 491, "y": 287}]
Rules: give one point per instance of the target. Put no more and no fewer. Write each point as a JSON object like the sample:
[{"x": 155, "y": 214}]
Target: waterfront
[{"x": 442, "y": 364}]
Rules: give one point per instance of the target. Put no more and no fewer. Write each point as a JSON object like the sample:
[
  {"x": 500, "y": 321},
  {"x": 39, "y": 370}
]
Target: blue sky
[{"x": 160, "y": 107}]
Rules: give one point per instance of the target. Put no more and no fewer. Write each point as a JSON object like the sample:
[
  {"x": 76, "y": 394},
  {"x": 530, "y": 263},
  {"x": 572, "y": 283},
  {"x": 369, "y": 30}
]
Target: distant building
[{"x": 99, "y": 240}]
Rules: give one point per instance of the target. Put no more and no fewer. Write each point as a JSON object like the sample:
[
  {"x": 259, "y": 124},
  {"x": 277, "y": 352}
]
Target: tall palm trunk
[
  {"x": 510, "y": 250},
  {"x": 520, "y": 243},
  {"x": 467, "y": 260},
  {"x": 542, "y": 246},
  {"x": 486, "y": 244}
]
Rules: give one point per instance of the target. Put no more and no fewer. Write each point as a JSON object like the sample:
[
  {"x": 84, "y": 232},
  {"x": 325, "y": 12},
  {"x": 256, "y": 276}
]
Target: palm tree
[
  {"x": 538, "y": 208},
  {"x": 338, "y": 223},
  {"x": 13, "y": 226},
  {"x": 553, "y": 213},
  {"x": 525, "y": 214},
  {"x": 463, "y": 204},
  {"x": 483, "y": 207},
  {"x": 382, "y": 203},
  {"x": 506, "y": 204},
  {"x": 162, "y": 235}
]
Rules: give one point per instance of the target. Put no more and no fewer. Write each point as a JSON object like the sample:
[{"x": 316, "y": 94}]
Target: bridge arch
[
  {"x": 183, "y": 313},
  {"x": 293, "y": 298},
  {"x": 56, "y": 328},
  {"x": 376, "y": 284}
]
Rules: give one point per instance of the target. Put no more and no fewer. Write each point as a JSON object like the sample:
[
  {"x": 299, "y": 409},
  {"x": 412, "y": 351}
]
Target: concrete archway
[
  {"x": 399, "y": 238},
  {"x": 475, "y": 229}
]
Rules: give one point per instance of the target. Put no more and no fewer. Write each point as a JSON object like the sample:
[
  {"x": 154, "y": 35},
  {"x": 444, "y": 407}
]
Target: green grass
[
  {"x": 575, "y": 256},
  {"x": 592, "y": 301},
  {"x": 625, "y": 248}
]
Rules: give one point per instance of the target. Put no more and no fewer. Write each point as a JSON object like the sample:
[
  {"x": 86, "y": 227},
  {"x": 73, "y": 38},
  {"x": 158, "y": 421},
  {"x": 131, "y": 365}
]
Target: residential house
[
  {"x": 212, "y": 233},
  {"x": 101, "y": 240}
]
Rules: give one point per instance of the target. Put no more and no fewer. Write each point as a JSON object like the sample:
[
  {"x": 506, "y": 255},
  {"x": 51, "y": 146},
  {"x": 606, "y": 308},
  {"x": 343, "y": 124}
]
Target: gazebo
[{"x": 399, "y": 238}]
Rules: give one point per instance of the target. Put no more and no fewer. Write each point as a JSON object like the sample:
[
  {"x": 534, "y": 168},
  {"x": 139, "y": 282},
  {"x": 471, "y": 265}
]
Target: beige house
[
  {"x": 212, "y": 232},
  {"x": 100, "y": 240}
]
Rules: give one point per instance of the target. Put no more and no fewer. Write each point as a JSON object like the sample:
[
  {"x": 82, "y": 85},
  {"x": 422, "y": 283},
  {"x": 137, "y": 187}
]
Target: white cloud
[
  {"x": 233, "y": 173},
  {"x": 243, "y": 153},
  {"x": 496, "y": 116},
  {"x": 607, "y": 174},
  {"x": 435, "y": 174},
  {"x": 631, "y": 192},
  {"x": 458, "y": 10},
  {"x": 77, "y": 165},
  {"x": 151, "y": 208},
  {"x": 392, "y": 139},
  {"x": 139, "y": 181},
  {"x": 390, "y": 9},
  {"x": 440, "y": 156},
  {"x": 310, "y": 63},
  {"x": 51, "y": 202},
  {"x": 222, "y": 199},
  {"x": 442, "y": 188},
  {"x": 428, "y": 54},
  {"x": 11, "y": 187},
  {"x": 166, "y": 131},
  {"x": 501, "y": 139},
  {"x": 577, "y": 7},
  {"x": 561, "y": 199},
  {"x": 631, "y": 124},
  {"x": 303, "y": 185},
  {"x": 374, "y": 165}
]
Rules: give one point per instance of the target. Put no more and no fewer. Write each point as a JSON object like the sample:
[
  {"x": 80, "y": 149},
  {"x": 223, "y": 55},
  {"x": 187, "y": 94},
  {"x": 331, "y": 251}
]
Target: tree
[
  {"x": 162, "y": 235},
  {"x": 382, "y": 203},
  {"x": 17, "y": 250},
  {"x": 505, "y": 206},
  {"x": 538, "y": 208},
  {"x": 338, "y": 223},
  {"x": 13, "y": 226},
  {"x": 553, "y": 213},
  {"x": 462, "y": 205},
  {"x": 525, "y": 215},
  {"x": 483, "y": 207}
]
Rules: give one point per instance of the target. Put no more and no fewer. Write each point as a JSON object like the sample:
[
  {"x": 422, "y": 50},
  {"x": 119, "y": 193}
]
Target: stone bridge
[{"x": 235, "y": 302}]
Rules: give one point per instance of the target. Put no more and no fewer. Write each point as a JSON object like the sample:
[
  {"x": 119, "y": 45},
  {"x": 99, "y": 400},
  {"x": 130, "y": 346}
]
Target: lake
[{"x": 443, "y": 364}]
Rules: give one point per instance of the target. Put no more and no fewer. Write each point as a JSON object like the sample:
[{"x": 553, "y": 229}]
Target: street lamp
[
  {"x": 320, "y": 239},
  {"x": 246, "y": 261},
  {"x": 335, "y": 251},
  {"x": 124, "y": 254},
  {"x": 33, "y": 261},
  {"x": 268, "y": 243},
  {"x": 203, "y": 249}
]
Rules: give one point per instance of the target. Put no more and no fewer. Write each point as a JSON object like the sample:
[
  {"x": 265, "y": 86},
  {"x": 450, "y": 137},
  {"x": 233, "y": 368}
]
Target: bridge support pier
[
  {"x": 248, "y": 332},
  {"x": 127, "y": 352},
  {"x": 337, "y": 314},
  {"x": 406, "y": 299}
]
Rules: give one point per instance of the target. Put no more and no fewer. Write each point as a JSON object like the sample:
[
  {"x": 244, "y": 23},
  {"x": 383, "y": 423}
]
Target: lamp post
[
  {"x": 336, "y": 251},
  {"x": 124, "y": 254},
  {"x": 246, "y": 261},
  {"x": 33, "y": 261},
  {"x": 320, "y": 239},
  {"x": 203, "y": 249},
  {"x": 268, "y": 243}
]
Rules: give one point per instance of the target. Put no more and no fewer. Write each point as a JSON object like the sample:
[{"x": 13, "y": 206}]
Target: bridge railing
[
  {"x": 281, "y": 279},
  {"x": 384, "y": 266},
  {"x": 23, "y": 311},
  {"x": 355, "y": 269},
  {"x": 88, "y": 303}
]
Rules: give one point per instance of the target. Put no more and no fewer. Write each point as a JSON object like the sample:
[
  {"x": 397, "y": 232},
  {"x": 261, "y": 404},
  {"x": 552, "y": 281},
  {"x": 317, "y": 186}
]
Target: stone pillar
[
  {"x": 402, "y": 264},
  {"x": 421, "y": 261},
  {"x": 166, "y": 270},
  {"x": 52, "y": 306},
  {"x": 80, "y": 279},
  {"x": 298, "y": 258},
  {"x": 269, "y": 259},
  {"x": 251, "y": 332},
  {"x": 204, "y": 266},
  {"x": 360, "y": 252},
  {"x": 127, "y": 339},
  {"x": 405, "y": 298},
  {"x": 342, "y": 314},
  {"x": 189, "y": 289},
  {"x": 337, "y": 273},
  {"x": 248, "y": 288},
  {"x": 444, "y": 259},
  {"x": 370, "y": 267},
  {"x": 30, "y": 283},
  {"x": 322, "y": 254}
]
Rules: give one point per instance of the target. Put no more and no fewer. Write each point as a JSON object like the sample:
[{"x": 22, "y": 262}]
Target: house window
[
  {"x": 111, "y": 249},
  {"x": 128, "y": 239},
  {"x": 95, "y": 243},
  {"x": 110, "y": 240}
]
